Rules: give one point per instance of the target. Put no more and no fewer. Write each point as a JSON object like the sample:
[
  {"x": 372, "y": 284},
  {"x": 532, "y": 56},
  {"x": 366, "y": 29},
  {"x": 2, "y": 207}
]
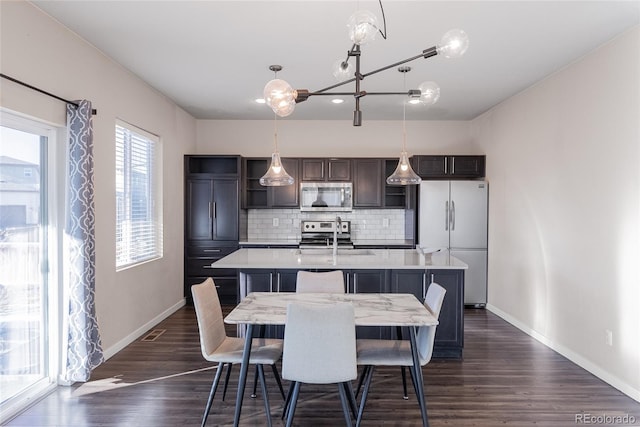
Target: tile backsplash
[{"x": 369, "y": 224}]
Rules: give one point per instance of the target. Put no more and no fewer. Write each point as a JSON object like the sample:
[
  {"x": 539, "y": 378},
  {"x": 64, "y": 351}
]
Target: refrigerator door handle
[
  {"x": 446, "y": 215},
  {"x": 453, "y": 215}
]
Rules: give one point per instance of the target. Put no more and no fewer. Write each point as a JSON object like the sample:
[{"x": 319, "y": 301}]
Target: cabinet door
[
  {"x": 367, "y": 183},
  {"x": 409, "y": 282},
  {"x": 313, "y": 170},
  {"x": 368, "y": 281},
  {"x": 199, "y": 199},
  {"x": 339, "y": 170},
  {"x": 255, "y": 281},
  {"x": 432, "y": 166},
  {"x": 467, "y": 166},
  {"x": 225, "y": 209},
  {"x": 287, "y": 196},
  {"x": 450, "y": 332}
]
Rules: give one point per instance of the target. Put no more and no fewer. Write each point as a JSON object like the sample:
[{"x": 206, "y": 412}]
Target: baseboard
[
  {"x": 569, "y": 354},
  {"x": 111, "y": 351}
]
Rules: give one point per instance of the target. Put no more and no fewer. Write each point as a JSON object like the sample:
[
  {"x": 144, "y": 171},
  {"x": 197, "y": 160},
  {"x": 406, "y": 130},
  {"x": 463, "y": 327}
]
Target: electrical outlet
[
  {"x": 385, "y": 222},
  {"x": 609, "y": 337},
  {"x": 276, "y": 222}
]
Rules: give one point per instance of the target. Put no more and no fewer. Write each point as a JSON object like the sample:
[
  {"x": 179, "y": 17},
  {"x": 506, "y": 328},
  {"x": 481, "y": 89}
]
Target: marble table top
[{"x": 270, "y": 308}]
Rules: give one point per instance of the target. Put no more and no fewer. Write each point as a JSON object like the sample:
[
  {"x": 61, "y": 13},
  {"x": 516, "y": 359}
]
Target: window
[{"x": 138, "y": 196}]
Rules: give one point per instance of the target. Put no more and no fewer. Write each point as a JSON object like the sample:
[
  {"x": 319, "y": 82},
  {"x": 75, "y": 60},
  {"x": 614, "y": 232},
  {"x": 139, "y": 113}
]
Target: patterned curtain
[{"x": 84, "y": 349}]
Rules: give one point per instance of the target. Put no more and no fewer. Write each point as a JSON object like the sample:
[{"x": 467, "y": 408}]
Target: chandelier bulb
[
  {"x": 363, "y": 27},
  {"x": 454, "y": 44}
]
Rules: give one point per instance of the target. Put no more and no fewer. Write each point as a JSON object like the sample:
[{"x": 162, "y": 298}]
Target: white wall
[
  {"x": 323, "y": 138},
  {"x": 563, "y": 165},
  {"x": 38, "y": 50}
]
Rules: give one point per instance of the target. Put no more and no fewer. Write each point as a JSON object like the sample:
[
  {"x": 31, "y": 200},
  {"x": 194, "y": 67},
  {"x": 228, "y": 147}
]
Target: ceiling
[{"x": 212, "y": 57}]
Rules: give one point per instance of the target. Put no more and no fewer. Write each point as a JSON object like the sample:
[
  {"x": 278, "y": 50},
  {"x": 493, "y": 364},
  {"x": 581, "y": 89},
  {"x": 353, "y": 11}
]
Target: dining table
[{"x": 370, "y": 309}]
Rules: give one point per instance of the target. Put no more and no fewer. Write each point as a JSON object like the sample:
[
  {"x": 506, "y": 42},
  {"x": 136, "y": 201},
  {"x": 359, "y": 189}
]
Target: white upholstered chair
[
  {"x": 320, "y": 348},
  {"x": 321, "y": 282},
  {"x": 217, "y": 347},
  {"x": 377, "y": 352}
]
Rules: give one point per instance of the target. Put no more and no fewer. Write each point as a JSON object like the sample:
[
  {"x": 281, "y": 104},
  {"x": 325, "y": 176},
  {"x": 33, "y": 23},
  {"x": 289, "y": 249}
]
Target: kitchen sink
[{"x": 329, "y": 251}]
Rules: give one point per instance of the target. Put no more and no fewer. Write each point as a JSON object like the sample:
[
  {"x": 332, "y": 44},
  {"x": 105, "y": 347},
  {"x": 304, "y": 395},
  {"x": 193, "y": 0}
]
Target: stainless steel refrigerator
[{"x": 453, "y": 216}]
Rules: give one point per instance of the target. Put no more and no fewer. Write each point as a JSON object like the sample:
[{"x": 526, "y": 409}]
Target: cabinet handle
[
  {"x": 270, "y": 282},
  {"x": 424, "y": 286},
  {"x": 446, "y": 165},
  {"x": 453, "y": 215},
  {"x": 355, "y": 283},
  {"x": 453, "y": 165},
  {"x": 278, "y": 282},
  {"x": 348, "y": 281},
  {"x": 432, "y": 276},
  {"x": 211, "y": 250},
  {"x": 210, "y": 210},
  {"x": 213, "y": 210},
  {"x": 446, "y": 215}
]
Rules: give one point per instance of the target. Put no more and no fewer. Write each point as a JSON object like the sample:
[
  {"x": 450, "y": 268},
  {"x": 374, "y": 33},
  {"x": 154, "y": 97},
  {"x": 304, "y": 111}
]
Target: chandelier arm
[{"x": 425, "y": 54}]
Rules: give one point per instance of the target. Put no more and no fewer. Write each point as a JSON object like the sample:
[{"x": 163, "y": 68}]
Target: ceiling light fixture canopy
[
  {"x": 276, "y": 93},
  {"x": 404, "y": 174},
  {"x": 363, "y": 28}
]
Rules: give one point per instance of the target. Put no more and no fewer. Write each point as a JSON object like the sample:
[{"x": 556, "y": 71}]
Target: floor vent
[{"x": 153, "y": 335}]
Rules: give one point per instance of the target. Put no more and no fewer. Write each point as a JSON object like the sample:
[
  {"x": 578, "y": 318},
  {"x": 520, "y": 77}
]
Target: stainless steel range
[{"x": 316, "y": 234}]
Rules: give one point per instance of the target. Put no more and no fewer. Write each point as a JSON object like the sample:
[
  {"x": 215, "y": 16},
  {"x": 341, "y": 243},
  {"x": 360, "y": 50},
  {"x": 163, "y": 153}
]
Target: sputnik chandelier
[{"x": 363, "y": 28}]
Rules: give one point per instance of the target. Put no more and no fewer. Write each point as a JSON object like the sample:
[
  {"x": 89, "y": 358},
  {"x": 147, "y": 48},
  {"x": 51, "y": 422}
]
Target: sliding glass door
[{"x": 26, "y": 288}]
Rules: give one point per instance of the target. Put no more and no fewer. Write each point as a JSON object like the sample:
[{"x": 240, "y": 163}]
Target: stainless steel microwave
[{"x": 326, "y": 196}]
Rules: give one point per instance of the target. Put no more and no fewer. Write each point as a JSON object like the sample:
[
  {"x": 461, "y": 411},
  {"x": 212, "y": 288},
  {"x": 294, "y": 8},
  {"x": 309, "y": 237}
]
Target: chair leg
[
  {"x": 292, "y": 404},
  {"x": 212, "y": 393},
  {"x": 361, "y": 380},
  {"x": 265, "y": 394},
  {"x": 404, "y": 383},
  {"x": 255, "y": 384},
  {"x": 276, "y": 374},
  {"x": 287, "y": 401},
  {"x": 351, "y": 398},
  {"x": 365, "y": 393},
  {"x": 226, "y": 380},
  {"x": 345, "y": 403}
]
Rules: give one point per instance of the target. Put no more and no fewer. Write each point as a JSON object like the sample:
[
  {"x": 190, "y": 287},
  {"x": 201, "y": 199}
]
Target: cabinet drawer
[
  {"x": 212, "y": 252},
  {"x": 202, "y": 267},
  {"x": 227, "y": 288}
]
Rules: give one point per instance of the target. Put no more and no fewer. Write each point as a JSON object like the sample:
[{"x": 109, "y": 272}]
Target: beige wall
[
  {"x": 321, "y": 138},
  {"x": 36, "y": 49},
  {"x": 563, "y": 165}
]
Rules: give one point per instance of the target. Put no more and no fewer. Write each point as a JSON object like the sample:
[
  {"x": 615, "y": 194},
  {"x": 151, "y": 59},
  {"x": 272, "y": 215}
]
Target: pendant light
[
  {"x": 404, "y": 174},
  {"x": 276, "y": 175}
]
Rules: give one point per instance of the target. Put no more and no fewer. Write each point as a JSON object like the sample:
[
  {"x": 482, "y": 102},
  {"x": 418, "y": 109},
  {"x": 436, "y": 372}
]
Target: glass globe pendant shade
[
  {"x": 276, "y": 175},
  {"x": 363, "y": 27},
  {"x": 280, "y": 96},
  {"x": 429, "y": 92},
  {"x": 453, "y": 44},
  {"x": 342, "y": 70},
  {"x": 404, "y": 174}
]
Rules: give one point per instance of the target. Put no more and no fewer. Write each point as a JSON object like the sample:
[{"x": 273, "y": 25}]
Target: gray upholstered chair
[
  {"x": 320, "y": 348},
  {"x": 321, "y": 282},
  {"x": 377, "y": 352},
  {"x": 216, "y": 346}
]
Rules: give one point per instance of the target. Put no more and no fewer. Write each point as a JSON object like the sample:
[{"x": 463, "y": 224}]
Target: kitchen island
[{"x": 365, "y": 270}]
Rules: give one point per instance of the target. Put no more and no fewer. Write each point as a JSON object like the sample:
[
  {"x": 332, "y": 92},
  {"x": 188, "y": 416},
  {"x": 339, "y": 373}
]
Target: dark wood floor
[{"x": 506, "y": 378}]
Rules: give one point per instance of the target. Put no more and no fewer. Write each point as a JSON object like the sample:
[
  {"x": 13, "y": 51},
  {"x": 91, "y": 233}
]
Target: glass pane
[{"x": 22, "y": 305}]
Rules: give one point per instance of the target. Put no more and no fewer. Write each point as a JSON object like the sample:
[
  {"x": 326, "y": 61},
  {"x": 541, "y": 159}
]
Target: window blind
[{"x": 138, "y": 227}]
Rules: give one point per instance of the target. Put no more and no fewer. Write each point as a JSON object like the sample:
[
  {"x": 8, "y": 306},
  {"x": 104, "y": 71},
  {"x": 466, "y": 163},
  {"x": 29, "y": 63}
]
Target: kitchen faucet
[{"x": 337, "y": 228}]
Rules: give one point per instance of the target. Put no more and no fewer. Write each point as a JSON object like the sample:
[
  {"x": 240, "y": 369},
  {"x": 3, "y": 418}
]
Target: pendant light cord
[
  {"x": 404, "y": 114},
  {"x": 275, "y": 131}
]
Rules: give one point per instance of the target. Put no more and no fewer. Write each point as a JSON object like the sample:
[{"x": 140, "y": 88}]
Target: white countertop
[
  {"x": 346, "y": 259},
  {"x": 295, "y": 242}
]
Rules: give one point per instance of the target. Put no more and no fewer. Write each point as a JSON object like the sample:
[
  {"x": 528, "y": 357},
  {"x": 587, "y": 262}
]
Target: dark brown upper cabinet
[
  {"x": 320, "y": 169},
  {"x": 448, "y": 167}
]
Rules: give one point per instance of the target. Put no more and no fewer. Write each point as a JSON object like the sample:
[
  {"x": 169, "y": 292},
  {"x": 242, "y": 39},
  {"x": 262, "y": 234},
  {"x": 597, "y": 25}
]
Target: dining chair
[
  {"x": 379, "y": 352},
  {"x": 320, "y": 281},
  {"x": 216, "y": 346},
  {"x": 320, "y": 348}
]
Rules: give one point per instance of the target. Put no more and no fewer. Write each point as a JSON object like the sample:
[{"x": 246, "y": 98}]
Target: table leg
[
  {"x": 244, "y": 367},
  {"x": 418, "y": 376}
]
